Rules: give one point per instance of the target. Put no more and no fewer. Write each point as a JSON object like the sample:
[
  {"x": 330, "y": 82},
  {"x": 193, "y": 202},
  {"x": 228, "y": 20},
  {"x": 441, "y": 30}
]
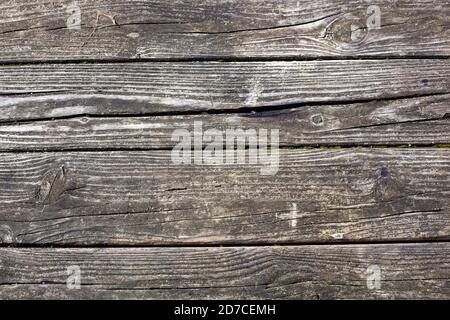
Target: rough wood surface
[
  {"x": 420, "y": 271},
  {"x": 96, "y": 198},
  {"x": 92, "y": 91},
  {"x": 34, "y": 91},
  {"x": 417, "y": 121},
  {"x": 166, "y": 29}
]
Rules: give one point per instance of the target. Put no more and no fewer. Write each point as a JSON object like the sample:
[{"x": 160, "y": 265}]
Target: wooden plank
[
  {"x": 407, "y": 271},
  {"x": 417, "y": 121},
  {"x": 165, "y": 29},
  {"x": 93, "y": 198},
  {"x": 34, "y": 91}
]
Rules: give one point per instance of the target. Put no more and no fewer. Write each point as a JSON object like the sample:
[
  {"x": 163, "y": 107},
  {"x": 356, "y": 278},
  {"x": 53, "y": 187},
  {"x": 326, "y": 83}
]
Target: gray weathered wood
[
  {"x": 162, "y": 29},
  {"x": 34, "y": 91},
  {"x": 229, "y": 64},
  {"x": 419, "y": 271},
  {"x": 143, "y": 198},
  {"x": 415, "y": 121}
]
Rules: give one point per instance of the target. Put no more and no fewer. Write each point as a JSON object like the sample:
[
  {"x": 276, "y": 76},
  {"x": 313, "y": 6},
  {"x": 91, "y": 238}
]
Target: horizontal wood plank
[
  {"x": 94, "y": 198},
  {"x": 165, "y": 29},
  {"x": 416, "y": 121},
  {"x": 49, "y": 91},
  {"x": 407, "y": 271}
]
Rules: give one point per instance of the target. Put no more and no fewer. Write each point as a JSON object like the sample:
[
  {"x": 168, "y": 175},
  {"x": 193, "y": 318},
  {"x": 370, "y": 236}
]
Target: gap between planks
[
  {"x": 218, "y": 59},
  {"x": 237, "y": 244}
]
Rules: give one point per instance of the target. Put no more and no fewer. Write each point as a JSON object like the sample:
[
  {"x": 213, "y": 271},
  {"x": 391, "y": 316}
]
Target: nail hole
[{"x": 384, "y": 172}]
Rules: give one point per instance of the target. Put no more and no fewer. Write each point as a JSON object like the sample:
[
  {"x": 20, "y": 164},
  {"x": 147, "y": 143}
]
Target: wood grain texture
[
  {"x": 408, "y": 271},
  {"x": 86, "y": 123},
  {"x": 417, "y": 121},
  {"x": 97, "y": 198},
  {"x": 35, "y": 91},
  {"x": 166, "y": 29}
]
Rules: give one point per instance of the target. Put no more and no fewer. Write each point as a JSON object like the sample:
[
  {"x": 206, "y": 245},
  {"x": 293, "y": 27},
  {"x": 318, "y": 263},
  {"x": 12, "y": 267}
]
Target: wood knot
[
  {"x": 84, "y": 120},
  {"x": 52, "y": 185},
  {"x": 349, "y": 31},
  {"x": 317, "y": 120},
  {"x": 384, "y": 172},
  {"x": 386, "y": 186}
]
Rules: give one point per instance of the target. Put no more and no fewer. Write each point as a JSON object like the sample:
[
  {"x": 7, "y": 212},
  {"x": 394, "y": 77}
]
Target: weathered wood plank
[
  {"x": 407, "y": 271},
  {"x": 35, "y": 91},
  {"x": 162, "y": 29},
  {"x": 143, "y": 198},
  {"x": 418, "y": 121}
]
